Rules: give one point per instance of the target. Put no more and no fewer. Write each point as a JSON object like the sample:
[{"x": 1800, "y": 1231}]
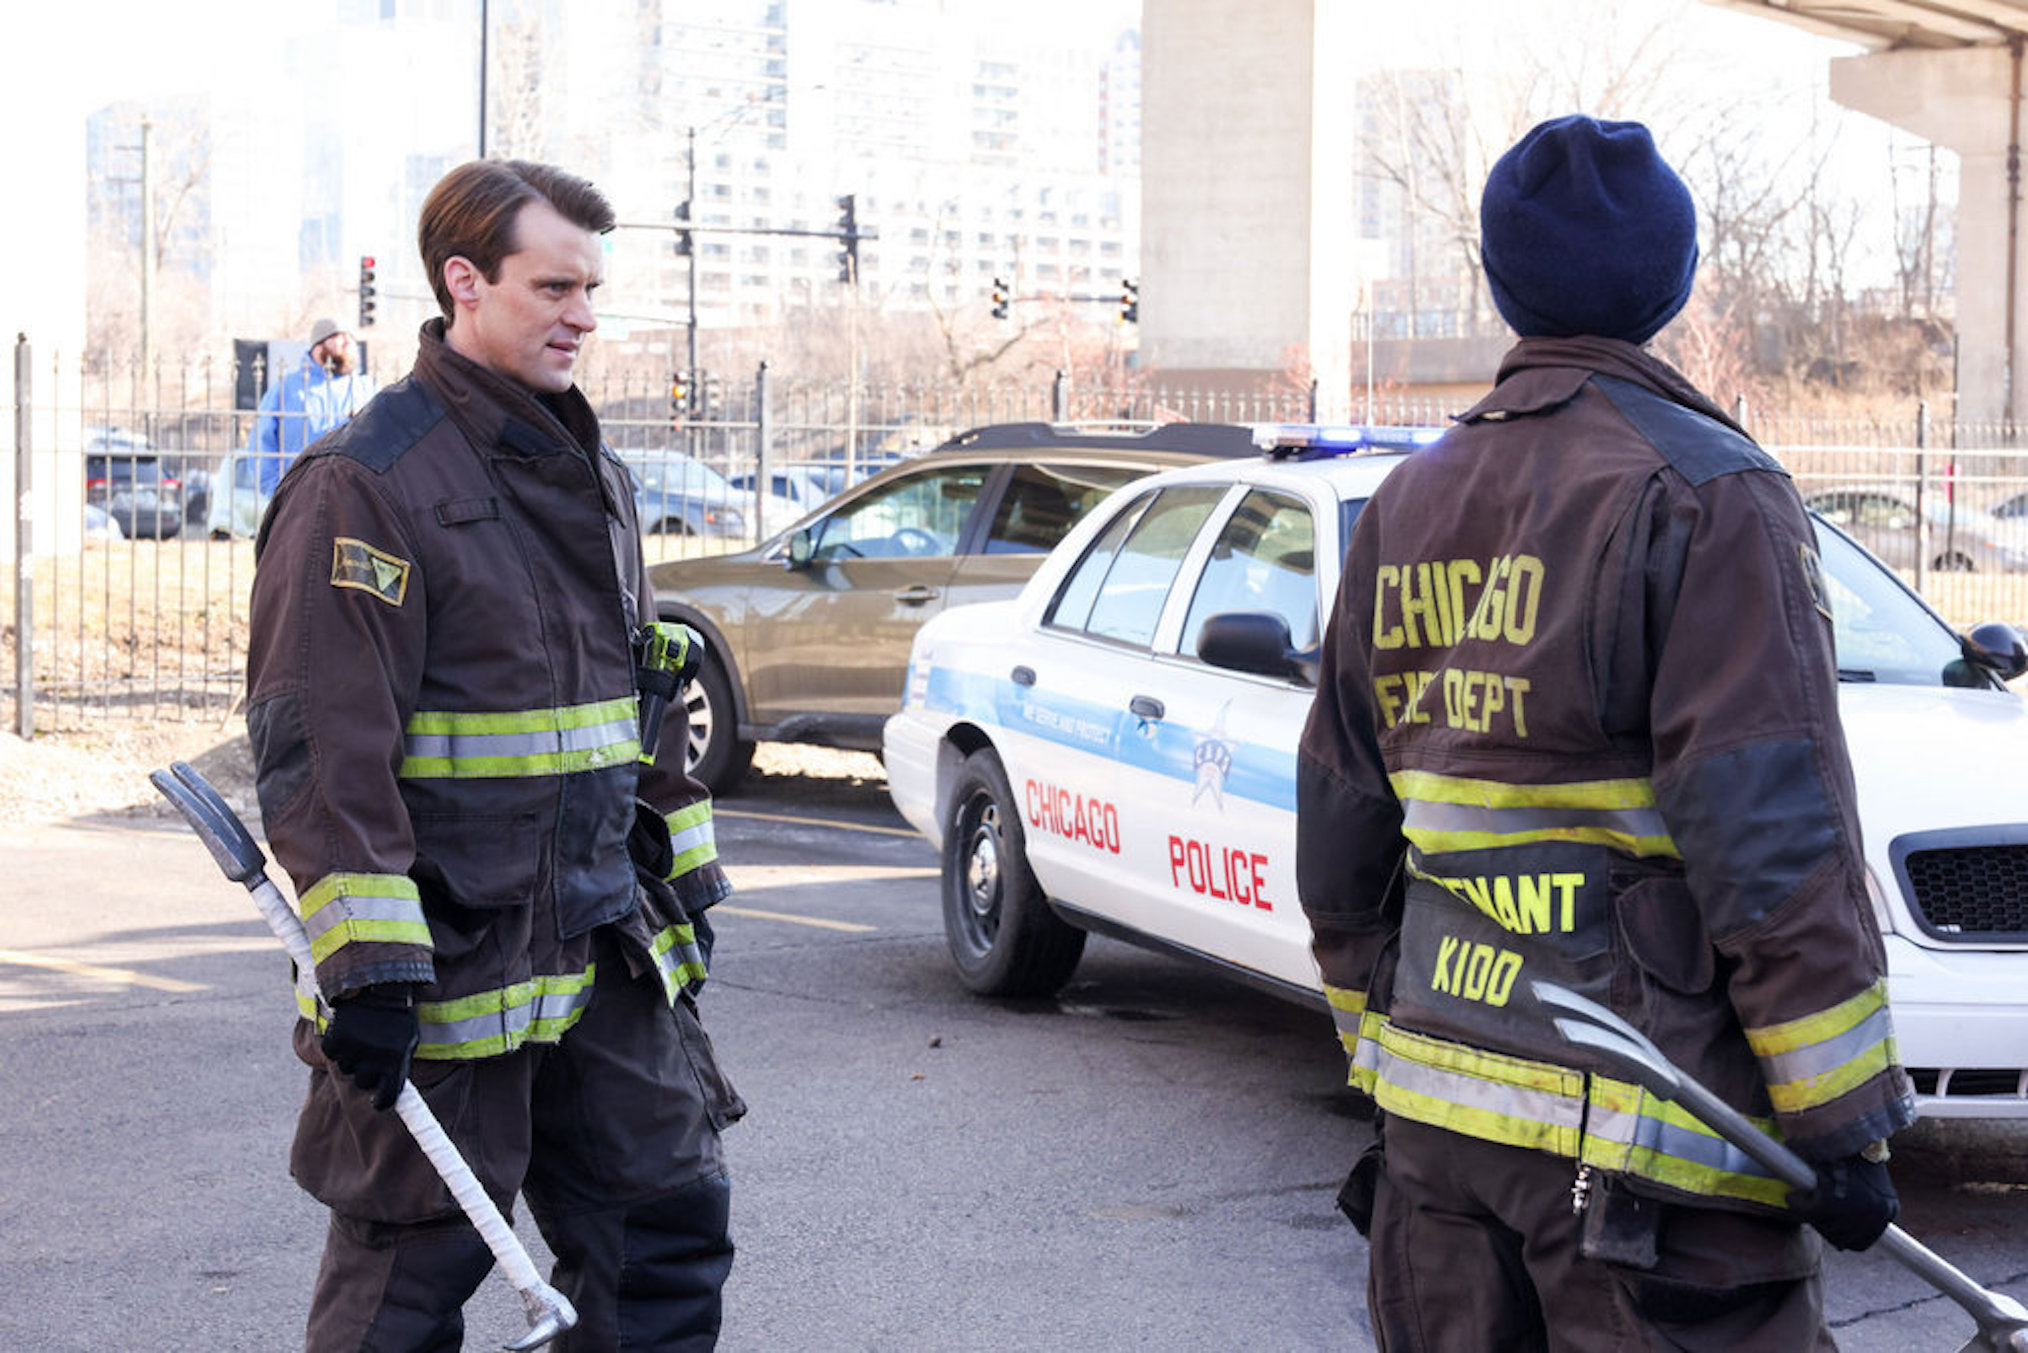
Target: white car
[{"x": 1092, "y": 756}]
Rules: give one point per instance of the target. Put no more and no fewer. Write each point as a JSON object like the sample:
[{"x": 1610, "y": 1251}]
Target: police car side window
[
  {"x": 1117, "y": 590},
  {"x": 1265, "y": 559}
]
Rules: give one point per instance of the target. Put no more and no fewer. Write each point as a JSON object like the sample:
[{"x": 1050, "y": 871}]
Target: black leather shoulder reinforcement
[
  {"x": 395, "y": 420},
  {"x": 1699, "y": 448}
]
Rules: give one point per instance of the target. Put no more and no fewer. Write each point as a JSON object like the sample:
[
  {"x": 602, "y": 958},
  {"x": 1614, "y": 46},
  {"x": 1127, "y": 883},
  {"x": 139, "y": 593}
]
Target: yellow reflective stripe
[
  {"x": 1606, "y": 794},
  {"x": 1774, "y": 1039},
  {"x": 1541, "y": 1106},
  {"x": 491, "y": 1023},
  {"x": 1365, "y": 1073},
  {"x": 1813, "y": 1060},
  {"x": 440, "y": 744},
  {"x": 1348, "y": 1013},
  {"x": 1630, "y": 1131},
  {"x": 693, "y": 837},
  {"x": 341, "y": 909},
  {"x": 1496, "y": 1098},
  {"x": 679, "y": 959},
  {"x": 1818, "y": 1090},
  {"x": 1443, "y": 813}
]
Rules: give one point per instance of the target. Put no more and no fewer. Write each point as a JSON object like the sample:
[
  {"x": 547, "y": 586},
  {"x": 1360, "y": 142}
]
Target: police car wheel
[
  {"x": 717, "y": 755},
  {"x": 1001, "y": 932}
]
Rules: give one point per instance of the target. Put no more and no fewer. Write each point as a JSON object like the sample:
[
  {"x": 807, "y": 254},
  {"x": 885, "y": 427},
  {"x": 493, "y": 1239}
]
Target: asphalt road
[{"x": 1148, "y": 1161}]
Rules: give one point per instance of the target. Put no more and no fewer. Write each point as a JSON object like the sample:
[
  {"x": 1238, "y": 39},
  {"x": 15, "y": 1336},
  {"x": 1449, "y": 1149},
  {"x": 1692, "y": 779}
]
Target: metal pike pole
[
  {"x": 2002, "y": 1321},
  {"x": 232, "y": 845}
]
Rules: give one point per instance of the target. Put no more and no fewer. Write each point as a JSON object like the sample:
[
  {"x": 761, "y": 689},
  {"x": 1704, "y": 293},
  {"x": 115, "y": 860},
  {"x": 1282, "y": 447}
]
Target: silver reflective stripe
[
  {"x": 1671, "y": 1139},
  {"x": 510, "y": 1023},
  {"x": 1650, "y": 1133},
  {"x": 359, "y": 907},
  {"x": 1423, "y": 815},
  {"x": 497, "y": 746},
  {"x": 1818, "y": 1059},
  {"x": 1476, "y": 1093},
  {"x": 690, "y": 838}
]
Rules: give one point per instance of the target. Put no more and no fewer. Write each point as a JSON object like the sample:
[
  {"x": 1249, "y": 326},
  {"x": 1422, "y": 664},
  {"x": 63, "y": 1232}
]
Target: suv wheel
[
  {"x": 718, "y": 756},
  {"x": 1002, "y": 934}
]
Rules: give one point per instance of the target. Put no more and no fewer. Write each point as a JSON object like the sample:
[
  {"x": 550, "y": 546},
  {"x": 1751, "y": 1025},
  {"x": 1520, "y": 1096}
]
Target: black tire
[
  {"x": 717, "y": 755},
  {"x": 1001, "y": 932},
  {"x": 1954, "y": 562}
]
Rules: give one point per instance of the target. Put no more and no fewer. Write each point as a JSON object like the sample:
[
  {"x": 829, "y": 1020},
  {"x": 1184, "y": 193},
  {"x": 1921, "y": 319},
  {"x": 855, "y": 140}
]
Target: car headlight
[{"x": 1884, "y": 912}]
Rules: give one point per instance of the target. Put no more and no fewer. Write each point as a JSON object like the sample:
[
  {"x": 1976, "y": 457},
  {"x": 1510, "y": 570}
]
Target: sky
[{"x": 110, "y": 49}]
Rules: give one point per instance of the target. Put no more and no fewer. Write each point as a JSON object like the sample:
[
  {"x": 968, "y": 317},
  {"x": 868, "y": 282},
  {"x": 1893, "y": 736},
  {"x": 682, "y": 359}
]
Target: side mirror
[
  {"x": 801, "y": 547},
  {"x": 1997, "y": 647},
  {"x": 1256, "y": 642}
]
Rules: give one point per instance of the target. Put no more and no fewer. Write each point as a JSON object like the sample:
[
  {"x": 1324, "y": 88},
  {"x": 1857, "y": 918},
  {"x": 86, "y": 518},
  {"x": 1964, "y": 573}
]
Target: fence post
[
  {"x": 763, "y": 452},
  {"x": 1311, "y": 416},
  {"x": 1059, "y": 398},
  {"x": 24, "y": 541},
  {"x": 1922, "y": 531}
]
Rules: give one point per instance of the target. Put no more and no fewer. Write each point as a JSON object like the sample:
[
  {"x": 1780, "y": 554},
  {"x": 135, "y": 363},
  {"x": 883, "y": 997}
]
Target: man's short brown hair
[{"x": 472, "y": 210}]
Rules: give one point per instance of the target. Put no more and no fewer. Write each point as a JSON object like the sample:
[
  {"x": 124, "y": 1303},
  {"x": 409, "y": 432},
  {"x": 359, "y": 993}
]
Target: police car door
[
  {"x": 1217, "y": 763},
  {"x": 1079, "y": 705}
]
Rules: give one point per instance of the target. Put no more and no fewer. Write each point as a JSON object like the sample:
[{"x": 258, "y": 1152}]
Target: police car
[{"x": 1114, "y": 751}]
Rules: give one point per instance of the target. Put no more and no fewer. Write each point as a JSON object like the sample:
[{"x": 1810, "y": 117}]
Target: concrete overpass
[
  {"x": 1244, "y": 219},
  {"x": 1949, "y": 71}
]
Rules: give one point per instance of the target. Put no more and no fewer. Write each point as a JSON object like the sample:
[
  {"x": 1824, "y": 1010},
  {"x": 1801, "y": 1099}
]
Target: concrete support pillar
[
  {"x": 1965, "y": 99},
  {"x": 1247, "y": 158}
]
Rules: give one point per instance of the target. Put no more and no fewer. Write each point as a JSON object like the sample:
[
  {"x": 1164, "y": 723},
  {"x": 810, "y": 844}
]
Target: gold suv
[{"x": 807, "y": 636}]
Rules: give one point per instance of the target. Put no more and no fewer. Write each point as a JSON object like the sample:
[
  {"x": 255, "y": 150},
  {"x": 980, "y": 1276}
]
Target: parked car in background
[
  {"x": 793, "y": 491},
  {"x": 807, "y": 635},
  {"x": 680, "y": 496},
  {"x": 2012, "y": 514},
  {"x": 237, "y": 503},
  {"x": 1114, "y": 751},
  {"x": 124, "y": 478},
  {"x": 1962, "y": 538}
]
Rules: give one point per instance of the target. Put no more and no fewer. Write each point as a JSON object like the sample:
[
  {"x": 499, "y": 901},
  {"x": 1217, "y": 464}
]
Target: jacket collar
[
  {"x": 497, "y": 412},
  {"x": 1539, "y": 374}
]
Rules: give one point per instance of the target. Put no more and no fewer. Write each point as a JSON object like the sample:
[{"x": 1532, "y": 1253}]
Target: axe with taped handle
[
  {"x": 2002, "y": 1321},
  {"x": 232, "y": 845}
]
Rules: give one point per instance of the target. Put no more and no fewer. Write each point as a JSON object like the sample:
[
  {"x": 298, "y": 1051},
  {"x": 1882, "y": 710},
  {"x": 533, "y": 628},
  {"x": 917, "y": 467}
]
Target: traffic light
[
  {"x": 848, "y": 231},
  {"x": 999, "y": 299},
  {"x": 683, "y": 236},
  {"x": 679, "y": 397},
  {"x": 367, "y": 291},
  {"x": 1130, "y": 302}
]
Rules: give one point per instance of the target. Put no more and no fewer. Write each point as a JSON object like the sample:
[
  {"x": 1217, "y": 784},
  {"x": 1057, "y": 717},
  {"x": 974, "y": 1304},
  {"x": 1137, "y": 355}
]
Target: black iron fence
[{"x": 131, "y": 549}]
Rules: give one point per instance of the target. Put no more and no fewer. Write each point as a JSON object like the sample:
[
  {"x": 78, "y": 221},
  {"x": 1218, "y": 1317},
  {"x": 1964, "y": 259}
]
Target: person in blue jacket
[{"x": 307, "y": 402}]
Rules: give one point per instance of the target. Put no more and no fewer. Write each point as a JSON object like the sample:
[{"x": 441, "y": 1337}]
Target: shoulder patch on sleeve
[
  {"x": 1700, "y": 448},
  {"x": 354, "y": 563}
]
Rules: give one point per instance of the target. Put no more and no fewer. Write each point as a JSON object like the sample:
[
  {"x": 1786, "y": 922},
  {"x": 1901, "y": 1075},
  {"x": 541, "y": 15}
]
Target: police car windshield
[{"x": 1882, "y": 632}]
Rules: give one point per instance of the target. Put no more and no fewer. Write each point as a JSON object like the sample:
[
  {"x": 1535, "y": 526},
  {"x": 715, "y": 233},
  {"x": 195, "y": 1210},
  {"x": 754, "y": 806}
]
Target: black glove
[
  {"x": 372, "y": 1034},
  {"x": 1853, "y": 1203}
]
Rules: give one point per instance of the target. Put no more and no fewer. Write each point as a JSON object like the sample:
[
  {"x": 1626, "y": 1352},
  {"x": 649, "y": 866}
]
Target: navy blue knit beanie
[{"x": 1584, "y": 230}]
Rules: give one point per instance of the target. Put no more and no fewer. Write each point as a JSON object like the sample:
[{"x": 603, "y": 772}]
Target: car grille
[{"x": 1970, "y": 892}]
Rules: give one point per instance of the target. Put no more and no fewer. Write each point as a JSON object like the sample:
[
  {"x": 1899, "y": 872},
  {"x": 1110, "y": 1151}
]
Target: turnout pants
[
  {"x": 611, "y": 1134},
  {"x": 1475, "y": 1245}
]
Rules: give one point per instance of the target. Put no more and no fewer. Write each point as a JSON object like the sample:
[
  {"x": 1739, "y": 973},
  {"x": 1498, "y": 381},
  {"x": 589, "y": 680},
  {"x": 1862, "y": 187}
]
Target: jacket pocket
[
  {"x": 1664, "y": 934},
  {"x": 480, "y": 861}
]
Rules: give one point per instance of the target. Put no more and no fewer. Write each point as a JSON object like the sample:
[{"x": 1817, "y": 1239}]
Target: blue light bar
[{"x": 1317, "y": 441}]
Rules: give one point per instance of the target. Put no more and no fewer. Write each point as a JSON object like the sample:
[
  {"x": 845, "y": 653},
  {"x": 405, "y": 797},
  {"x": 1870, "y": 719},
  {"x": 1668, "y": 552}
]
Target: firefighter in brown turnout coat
[
  {"x": 1578, "y": 722},
  {"x": 505, "y": 897}
]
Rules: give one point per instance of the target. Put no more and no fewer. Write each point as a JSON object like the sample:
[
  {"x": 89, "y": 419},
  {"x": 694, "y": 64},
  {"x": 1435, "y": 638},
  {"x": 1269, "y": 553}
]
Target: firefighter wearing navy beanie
[{"x": 1580, "y": 657}]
